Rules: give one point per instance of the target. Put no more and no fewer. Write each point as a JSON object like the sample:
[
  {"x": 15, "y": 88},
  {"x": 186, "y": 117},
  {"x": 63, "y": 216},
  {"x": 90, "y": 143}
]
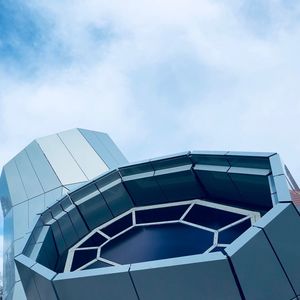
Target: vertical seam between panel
[
  {"x": 81, "y": 215},
  {"x": 118, "y": 151},
  {"x": 27, "y": 200},
  {"x": 113, "y": 216},
  {"x": 134, "y": 287},
  {"x": 43, "y": 153},
  {"x": 122, "y": 182},
  {"x": 198, "y": 180},
  {"x": 20, "y": 178},
  {"x": 62, "y": 237},
  {"x": 81, "y": 133},
  {"x": 55, "y": 246},
  {"x": 54, "y": 288},
  {"x": 235, "y": 277},
  {"x": 3, "y": 180},
  {"x": 37, "y": 290},
  {"x": 233, "y": 183},
  {"x": 230, "y": 178},
  {"x": 277, "y": 257},
  {"x": 73, "y": 157},
  {"x": 158, "y": 184},
  {"x": 34, "y": 171},
  {"x": 107, "y": 148}
]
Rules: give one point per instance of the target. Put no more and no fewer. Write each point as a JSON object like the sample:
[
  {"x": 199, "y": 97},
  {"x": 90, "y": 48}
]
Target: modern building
[{"x": 82, "y": 222}]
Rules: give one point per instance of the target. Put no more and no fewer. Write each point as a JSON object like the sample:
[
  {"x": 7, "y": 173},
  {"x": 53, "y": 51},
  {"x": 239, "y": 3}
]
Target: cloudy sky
[{"x": 158, "y": 76}]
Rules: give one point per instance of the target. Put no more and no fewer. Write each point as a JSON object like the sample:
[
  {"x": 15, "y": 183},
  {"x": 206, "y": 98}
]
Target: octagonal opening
[
  {"x": 145, "y": 243},
  {"x": 159, "y": 232}
]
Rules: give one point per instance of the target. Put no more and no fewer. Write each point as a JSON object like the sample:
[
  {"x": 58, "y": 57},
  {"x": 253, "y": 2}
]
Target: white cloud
[{"x": 163, "y": 77}]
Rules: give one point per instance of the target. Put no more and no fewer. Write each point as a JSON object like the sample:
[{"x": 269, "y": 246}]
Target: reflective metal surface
[{"x": 35, "y": 179}]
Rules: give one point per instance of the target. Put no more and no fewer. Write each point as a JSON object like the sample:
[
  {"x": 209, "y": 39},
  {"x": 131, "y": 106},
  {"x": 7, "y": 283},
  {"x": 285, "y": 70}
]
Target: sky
[{"x": 159, "y": 77}]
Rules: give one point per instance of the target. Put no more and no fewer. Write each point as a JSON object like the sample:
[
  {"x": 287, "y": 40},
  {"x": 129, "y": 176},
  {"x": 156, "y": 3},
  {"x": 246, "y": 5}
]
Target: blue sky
[{"x": 158, "y": 76}]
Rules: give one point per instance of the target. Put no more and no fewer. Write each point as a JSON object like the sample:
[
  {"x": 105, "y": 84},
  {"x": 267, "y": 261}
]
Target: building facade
[
  {"x": 42, "y": 173},
  {"x": 82, "y": 222}
]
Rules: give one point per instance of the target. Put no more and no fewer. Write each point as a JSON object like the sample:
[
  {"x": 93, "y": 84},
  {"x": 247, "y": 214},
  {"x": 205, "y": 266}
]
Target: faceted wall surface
[
  {"x": 40, "y": 174},
  {"x": 80, "y": 222},
  {"x": 259, "y": 262}
]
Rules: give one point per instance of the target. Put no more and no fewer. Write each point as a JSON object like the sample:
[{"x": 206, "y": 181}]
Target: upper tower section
[
  {"x": 60, "y": 160},
  {"x": 40, "y": 174}
]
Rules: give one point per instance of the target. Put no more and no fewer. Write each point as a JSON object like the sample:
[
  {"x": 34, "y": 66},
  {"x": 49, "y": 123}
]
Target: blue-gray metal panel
[
  {"x": 29, "y": 244},
  {"x": 283, "y": 193},
  {"x": 19, "y": 245},
  {"x": 61, "y": 160},
  {"x": 254, "y": 189},
  {"x": 144, "y": 189},
  {"x": 217, "y": 183},
  {"x": 65, "y": 202},
  {"x": 140, "y": 183},
  {"x": 9, "y": 269},
  {"x": 257, "y": 268},
  {"x": 282, "y": 227},
  {"x": 36, "y": 206},
  {"x": 211, "y": 168},
  {"x": 74, "y": 186},
  {"x": 179, "y": 183},
  {"x": 274, "y": 198},
  {"x": 67, "y": 229},
  {"x": 112, "y": 148},
  {"x": 31, "y": 182},
  {"x": 100, "y": 148},
  {"x": 52, "y": 196},
  {"x": 14, "y": 182},
  {"x": 48, "y": 254},
  {"x": 42, "y": 167},
  {"x": 111, "y": 283},
  {"x": 249, "y": 159},
  {"x": 56, "y": 210},
  {"x": 209, "y": 158},
  {"x": 46, "y": 217},
  {"x": 39, "y": 232},
  {"x": 20, "y": 219},
  {"x": 86, "y": 191},
  {"x": 89, "y": 162},
  {"x": 92, "y": 205},
  {"x": 249, "y": 171},
  {"x": 43, "y": 280},
  {"x": 58, "y": 237},
  {"x": 4, "y": 194},
  {"x": 136, "y": 168},
  {"x": 78, "y": 223},
  {"x": 18, "y": 293},
  {"x": 43, "y": 250},
  {"x": 107, "y": 178},
  {"x": 17, "y": 276},
  {"x": 272, "y": 184},
  {"x": 209, "y": 152},
  {"x": 8, "y": 230},
  {"x": 250, "y": 154},
  {"x": 94, "y": 211},
  {"x": 116, "y": 197},
  {"x": 35, "y": 251},
  {"x": 276, "y": 165},
  {"x": 196, "y": 277},
  {"x": 24, "y": 265},
  {"x": 7, "y": 295},
  {"x": 171, "y": 161}
]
